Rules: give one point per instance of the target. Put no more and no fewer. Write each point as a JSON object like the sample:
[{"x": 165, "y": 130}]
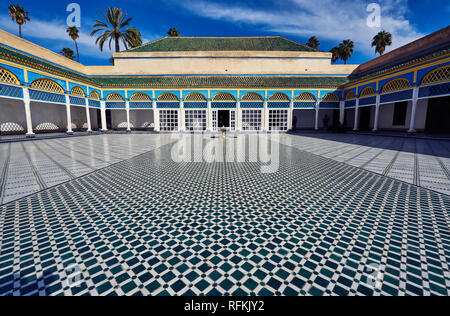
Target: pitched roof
[
  {"x": 32, "y": 61},
  {"x": 188, "y": 44},
  {"x": 432, "y": 45},
  {"x": 223, "y": 81}
]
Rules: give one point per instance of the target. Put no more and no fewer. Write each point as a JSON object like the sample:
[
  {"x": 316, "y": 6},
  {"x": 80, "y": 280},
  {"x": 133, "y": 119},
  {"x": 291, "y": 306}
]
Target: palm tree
[
  {"x": 380, "y": 41},
  {"x": 113, "y": 28},
  {"x": 74, "y": 35},
  {"x": 336, "y": 54},
  {"x": 18, "y": 15},
  {"x": 313, "y": 42},
  {"x": 67, "y": 52},
  {"x": 173, "y": 32},
  {"x": 346, "y": 50},
  {"x": 136, "y": 42}
]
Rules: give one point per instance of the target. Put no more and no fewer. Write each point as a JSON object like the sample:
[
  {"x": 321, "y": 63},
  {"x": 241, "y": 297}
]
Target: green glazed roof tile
[
  {"x": 223, "y": 81},
  {"x": 187, "y": 44}
]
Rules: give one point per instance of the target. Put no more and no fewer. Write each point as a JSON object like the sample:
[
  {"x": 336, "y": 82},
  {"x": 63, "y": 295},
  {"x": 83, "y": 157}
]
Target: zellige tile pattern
[{"x": 151, "y": 226}]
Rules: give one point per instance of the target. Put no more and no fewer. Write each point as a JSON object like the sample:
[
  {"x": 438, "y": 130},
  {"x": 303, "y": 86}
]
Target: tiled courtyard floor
[
  {"x": 149, "y": 225},
  {"x": 423, "y": 162}
]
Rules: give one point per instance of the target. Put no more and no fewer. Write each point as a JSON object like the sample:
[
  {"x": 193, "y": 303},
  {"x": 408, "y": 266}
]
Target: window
[
  {"x": 400, "y": 114},
  {"x": 251, "y": 120},
  {"x": 195, "y": 120},
  {"x": 168, "y": 120},
  {"x": 278, "y": 120}
]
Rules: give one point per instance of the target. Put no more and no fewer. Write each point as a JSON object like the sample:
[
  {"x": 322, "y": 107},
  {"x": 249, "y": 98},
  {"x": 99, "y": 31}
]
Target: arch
[
  {"x": 140, "y": 96},
  {"x": 114, "y": 97},
  {"x": 330, "y": 97},
  {"x": 95, "y": 95},
  {"x": 168, "y": 97},
  {"x": 7, "y": 76},
  {"x": 438, "y": 75},
  {"x": 195, "y": 97},
  {"x": 305, "y": 97},
  {"x": 77, "y": 91},
  {"x": 224, "y": 97},
  {"x": 396, "y": 85},
  {"x": 367, "y": 92},
  {"x": 350, "y": 96},
  {"x": 47, "y": 85},
  {"x": 279, "y": 97},
  {"x": 253, "y": 97}
]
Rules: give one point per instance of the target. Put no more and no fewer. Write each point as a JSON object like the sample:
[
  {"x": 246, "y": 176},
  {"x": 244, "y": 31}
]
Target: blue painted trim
[
  {"x": 405, "y": 58},
  {"x": 435, "y": 90},
  {"x": 77, "y": 101},
  {"x": 379, "y": 76},
  {"x": 304, "y": 105},
  {"x": 11, "y": 91},
  {"x": 195, "y": 105},
  {"x": 368, "y": 101},
  {"x": 396, "y": 96},
  {"x": 252, "y": 105},
  {"x": 43, "y": 60}
]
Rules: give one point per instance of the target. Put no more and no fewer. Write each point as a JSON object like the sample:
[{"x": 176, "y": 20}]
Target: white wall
[
  {"x": 12, "y": 116},
  {"x": 48, "y": 117},
  {"x": 141, "y": 118},
  {"x": 93, "y": 115},
  {"x": 349, "y": 118},
  {"x": 79, "y": 119},
  {"x": 421, "y": 115},
  {"x": 118, "y": 119},
  {"x": 305, "y": 118},
  {"x": 322, "y": 114}
]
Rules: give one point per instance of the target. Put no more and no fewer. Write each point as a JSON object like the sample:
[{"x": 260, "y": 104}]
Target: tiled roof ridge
[{"x": 149, "y": 44}]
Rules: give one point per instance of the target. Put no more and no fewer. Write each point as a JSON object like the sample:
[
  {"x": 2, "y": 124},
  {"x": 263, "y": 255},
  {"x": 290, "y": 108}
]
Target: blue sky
[{"x": 330, "y": 20}]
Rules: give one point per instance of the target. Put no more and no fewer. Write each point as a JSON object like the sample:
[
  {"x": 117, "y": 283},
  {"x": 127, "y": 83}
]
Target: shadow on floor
[{"x": 420, "y": 145}]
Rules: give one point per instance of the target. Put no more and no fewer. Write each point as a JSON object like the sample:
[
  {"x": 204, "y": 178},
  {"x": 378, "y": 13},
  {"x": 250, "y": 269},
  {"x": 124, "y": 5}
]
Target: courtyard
[{"x": 113, "y": 214}]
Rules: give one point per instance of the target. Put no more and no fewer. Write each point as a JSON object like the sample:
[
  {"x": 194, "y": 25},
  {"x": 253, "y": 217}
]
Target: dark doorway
[
  {"x": 400, "y": 109},
  {"x": 336, "y": 114},
  {"x": 99, "y": 119},
  {"x": 223, "y": 118},
  {"x": 438, "y": 115},
  {"x": 364, "y": 120},
  {"x": 108, "y": 119}
]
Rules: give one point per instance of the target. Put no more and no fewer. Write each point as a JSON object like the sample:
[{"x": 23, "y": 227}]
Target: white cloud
[
  {"x": 327, "y": 19},
  {"x": 55, "y": 33}
]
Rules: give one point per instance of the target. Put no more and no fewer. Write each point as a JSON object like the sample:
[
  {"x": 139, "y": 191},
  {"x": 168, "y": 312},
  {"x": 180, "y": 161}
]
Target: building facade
[{"x": 243, "y": 84}]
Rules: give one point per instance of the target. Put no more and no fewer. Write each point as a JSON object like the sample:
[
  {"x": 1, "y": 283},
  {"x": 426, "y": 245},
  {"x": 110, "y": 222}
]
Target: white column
[
  {"x": 356, "y": 124},
  {"x": 127, "y": 108},
  {"x": 316, "y": 123},
  {"x": 265, "y": 125},
  {"x": 26, "y": 101},
  {"x": 412, "y": 123},
  {"x": 377, "y": 114},
  {"x": 290, "y": 113},
  {"x": 88, "y": 115},
  {"x": 238, "y": 116},
  {"x": 103, "y": 115},
  {"x": 209, "y": 126},
  {"x": 156, "y": 116},
  {"x": 342, "y": 112},
  {"x": 69, "y": 116},
  {"x": 182, "y": 121}
]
